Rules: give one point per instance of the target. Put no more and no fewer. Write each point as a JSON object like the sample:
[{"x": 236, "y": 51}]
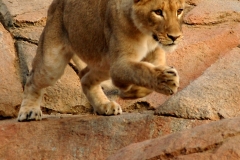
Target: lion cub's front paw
[
  {"x": 167, "y": 80},
  {"x": 111, "y": 108},
  {"x": 29, "y": 113}
]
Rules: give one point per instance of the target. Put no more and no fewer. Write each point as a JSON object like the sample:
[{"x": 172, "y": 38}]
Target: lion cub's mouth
[{"x": 155, "y": 37}]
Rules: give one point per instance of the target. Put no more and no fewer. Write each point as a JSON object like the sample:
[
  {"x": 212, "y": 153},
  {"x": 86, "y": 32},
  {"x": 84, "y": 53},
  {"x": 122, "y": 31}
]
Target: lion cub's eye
[
  {"x": 158, "y": 12},
  {"x": 179, "y": 11}
]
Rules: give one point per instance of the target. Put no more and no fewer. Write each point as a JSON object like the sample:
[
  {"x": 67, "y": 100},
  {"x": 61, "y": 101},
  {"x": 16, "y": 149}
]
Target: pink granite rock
[
  {"x": 217, "y": 141},
  {"x": 10, "y": 82}
]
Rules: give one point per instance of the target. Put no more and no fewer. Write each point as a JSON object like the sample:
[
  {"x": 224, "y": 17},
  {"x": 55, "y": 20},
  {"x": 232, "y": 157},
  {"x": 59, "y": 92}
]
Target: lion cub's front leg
[
  {"x": 93, "y": 90},
  {"x": 169, "y": 82},
  {"x": 137, "y": 79},
  {"x": 162, "y": 79}
]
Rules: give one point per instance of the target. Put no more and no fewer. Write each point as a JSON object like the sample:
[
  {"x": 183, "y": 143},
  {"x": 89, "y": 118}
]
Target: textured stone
[
  {"x": 26, "y": 52},
  {"x": 36, "y": 18},
  {"x": 201, "y": 47},
  {"x": 10, "y": 88},
  {"x": 194, "y": 2},
  {"x": 217, "y": 141},
  {"x": 5, "y": 15},
  {"x": 19, "y": 12},
  {"x": 212, "y": 12},
  {"x": 214, "y": 95},
  {"x": 30, "y": 33},
  {"x": 19, "y": 7},
  {"x": 83, "y": 137},
  {"x": 66, "y": 96}
]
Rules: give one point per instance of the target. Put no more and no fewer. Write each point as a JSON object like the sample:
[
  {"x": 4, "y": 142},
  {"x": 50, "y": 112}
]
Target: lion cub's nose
[{"x": 173, "y": 37}]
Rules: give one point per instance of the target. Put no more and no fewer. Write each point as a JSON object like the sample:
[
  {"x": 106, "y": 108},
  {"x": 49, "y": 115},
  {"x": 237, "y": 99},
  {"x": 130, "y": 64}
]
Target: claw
[
  {"x": 29, "y": 114},
  {"x": 172, "y": 72}
]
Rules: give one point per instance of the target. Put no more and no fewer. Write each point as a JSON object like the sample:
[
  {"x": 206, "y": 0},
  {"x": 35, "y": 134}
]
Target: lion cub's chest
[{"x": 145, "y": 46}]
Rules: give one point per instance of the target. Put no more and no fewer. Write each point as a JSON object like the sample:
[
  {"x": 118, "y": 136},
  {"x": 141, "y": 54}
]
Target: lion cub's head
[{"x": 161, "y": 19}]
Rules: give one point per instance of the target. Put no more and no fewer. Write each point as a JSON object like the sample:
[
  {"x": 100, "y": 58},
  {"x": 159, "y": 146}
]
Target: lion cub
[{"x": 121, "y": 40}]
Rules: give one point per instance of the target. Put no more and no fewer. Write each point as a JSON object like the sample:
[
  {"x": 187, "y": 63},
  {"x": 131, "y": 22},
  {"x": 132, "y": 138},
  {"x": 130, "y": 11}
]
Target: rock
[
  {"x": 30, "y": 34},
  {"x": 210, "y": 12},
  {"x": 66, "y": 96},
  {"x": 38, "y": 18},
  {"x": 214, "y": 95},
  {"x": 24, "y": 12},
  {"x": 5, "y": 15},
  {"x": 194, "y": 2},
  {"x": 26, "y": 52},
  {"x": 18, "y": 7},
  {"x": 10, "y": 88},
  {"x": 83, "y": 137},
  {"x": 202, "y": 47},
  {"x": 217, "y": 141}
]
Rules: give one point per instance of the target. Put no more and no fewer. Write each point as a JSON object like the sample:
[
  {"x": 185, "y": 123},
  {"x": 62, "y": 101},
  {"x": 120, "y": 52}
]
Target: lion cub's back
[{"x": 84, "y": 21}]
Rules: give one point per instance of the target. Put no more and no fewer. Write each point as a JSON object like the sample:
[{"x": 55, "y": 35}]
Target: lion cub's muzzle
[{"x": 168, "y": 40}]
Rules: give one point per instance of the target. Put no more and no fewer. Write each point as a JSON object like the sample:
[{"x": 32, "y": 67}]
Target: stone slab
[
  {"x": 214, "y": 95},
  {"x": 216, "y": 141},
  {"x": 10, "y": 83},
  {"x": 209, "y": 12},
  {"x": 83, "y": 137}
]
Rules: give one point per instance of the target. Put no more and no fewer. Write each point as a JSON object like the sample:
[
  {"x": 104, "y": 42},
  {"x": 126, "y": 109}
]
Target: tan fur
[{"x": 119, "y": 39}]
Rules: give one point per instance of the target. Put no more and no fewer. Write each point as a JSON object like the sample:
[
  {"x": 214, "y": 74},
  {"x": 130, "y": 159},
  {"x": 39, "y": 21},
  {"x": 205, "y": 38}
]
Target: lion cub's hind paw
[
  {"x": 29, "y": 114},
  {"x": 111, "y": 108}
]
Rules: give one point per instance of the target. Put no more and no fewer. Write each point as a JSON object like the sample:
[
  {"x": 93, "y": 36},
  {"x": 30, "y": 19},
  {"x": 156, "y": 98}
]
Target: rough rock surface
[
  {"x": 216, "y": 141},
  {"x": 10, "y": 84},
  {"x": 214, "y": 95},
  {"x": 83, "y": 137},
  {"x": 21, "y": 13},
  {"x": 213, "y": 12}
]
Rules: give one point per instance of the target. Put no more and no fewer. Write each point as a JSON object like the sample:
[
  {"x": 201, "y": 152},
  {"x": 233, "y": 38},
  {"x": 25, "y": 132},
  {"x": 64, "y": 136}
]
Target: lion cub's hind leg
[
  {"x": 93, "y": 90},
  {"x": 30, "y": 106},
  {"x": 53, "y": 55},
  {"x": 48, "y": 67}
]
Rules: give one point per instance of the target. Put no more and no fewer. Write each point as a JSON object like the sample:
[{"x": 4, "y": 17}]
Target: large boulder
[
  {"x": 10, "y": 88},
  {"x": 216, "y": 141},
  {"x": 213, "y": 12},
  {"x": 214, "y": 95},
  {"x": 21, "y": 13},
  {"x": 83, "y": 137}
]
